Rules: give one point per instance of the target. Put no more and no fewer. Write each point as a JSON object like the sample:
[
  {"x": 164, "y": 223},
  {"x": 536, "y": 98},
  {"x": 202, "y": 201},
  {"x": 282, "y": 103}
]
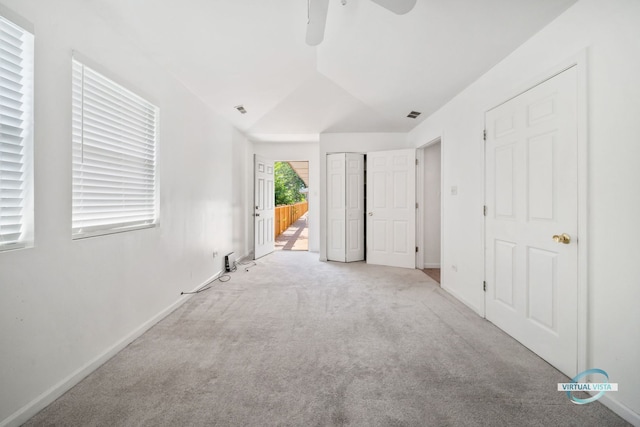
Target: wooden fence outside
[{"x": 287, "y": 215}]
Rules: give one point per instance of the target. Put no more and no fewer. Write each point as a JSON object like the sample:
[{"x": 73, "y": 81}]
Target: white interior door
[
  {"x": 531, "y": 195},
  {"x": 354, "y": 207},
  {"x": 345, "y": 207},
  {"x": 391, "y": 208},
  {"x": 336, "y": 207},
  {"x": 264, "y": 200}
]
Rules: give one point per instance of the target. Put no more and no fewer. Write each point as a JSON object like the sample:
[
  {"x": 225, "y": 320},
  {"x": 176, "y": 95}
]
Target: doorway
[
  {"x": 291, "y": 182},
  {"x": 429, "y": 215}
]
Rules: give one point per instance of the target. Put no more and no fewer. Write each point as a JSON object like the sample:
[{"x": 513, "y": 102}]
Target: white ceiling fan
[{"x": 318, "y": 15}]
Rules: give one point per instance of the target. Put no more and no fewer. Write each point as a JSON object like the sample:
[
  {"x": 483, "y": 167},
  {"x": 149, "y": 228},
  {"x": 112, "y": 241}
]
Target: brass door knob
[{"x": 562, "y": 238}]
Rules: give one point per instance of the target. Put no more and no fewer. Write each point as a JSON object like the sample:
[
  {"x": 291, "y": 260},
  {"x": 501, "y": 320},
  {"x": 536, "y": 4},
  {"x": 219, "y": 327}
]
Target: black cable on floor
[
  {"x": 221, "y": 278},
  {"x": 246, "y": 265}
]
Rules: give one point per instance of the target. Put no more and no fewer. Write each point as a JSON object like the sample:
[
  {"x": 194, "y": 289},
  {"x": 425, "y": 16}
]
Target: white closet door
[
  {"x": 354, "y": 207},
  {"x": 391, "y": 208},
  {"x": 531, "y": 190},
  {"x": 336, "y": 207}
]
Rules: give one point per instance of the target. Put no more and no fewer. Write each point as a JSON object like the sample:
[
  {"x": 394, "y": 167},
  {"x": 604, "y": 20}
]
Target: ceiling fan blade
[
  {"x": 399, "y": 7},
  {"x": 317, "y": 21}
]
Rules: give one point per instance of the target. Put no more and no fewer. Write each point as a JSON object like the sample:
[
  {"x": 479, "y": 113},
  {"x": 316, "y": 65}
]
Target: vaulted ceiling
[{"x": 371, "y": 70}]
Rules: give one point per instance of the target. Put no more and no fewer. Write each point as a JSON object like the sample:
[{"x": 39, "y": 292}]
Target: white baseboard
[
  {"x": 246, "y": 257},
  {"x": 46, "y": 398},
  {"x": 431, "y": 265},
  {"x": 249, "y": 256},
  {"x": 621, "y": 409},
  {"x": 457, "y": 296}
]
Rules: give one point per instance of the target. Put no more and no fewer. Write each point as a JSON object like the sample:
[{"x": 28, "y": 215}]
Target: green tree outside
[{"x": 287, "y": 185}]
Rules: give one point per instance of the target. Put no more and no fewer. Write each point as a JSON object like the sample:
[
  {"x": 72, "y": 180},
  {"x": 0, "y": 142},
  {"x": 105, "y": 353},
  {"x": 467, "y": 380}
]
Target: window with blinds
[
  {"x": 16, "y": 136},
  {"x": 114, "y": 156}
]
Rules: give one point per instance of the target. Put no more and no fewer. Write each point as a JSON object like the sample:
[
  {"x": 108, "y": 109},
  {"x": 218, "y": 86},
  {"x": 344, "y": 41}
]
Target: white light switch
[{"x": 454, "y": 190}]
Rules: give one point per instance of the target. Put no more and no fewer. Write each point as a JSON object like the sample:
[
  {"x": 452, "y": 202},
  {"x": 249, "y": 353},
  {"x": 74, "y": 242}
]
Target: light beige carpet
[{"x": 296, "y": 342}]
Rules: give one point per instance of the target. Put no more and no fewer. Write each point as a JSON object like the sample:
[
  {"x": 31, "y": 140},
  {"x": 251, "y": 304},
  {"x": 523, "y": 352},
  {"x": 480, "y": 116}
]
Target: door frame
[
  {"x": 420, "y": 211},
  {"x": 579, "y": 60}
]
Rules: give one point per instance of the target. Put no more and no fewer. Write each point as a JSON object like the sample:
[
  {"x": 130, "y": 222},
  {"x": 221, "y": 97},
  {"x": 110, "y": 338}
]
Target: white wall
[
  {"x": 610, "y": 32},
  {"x": 290, "y": 151},
  {"x": 350, "y": 143},
  {"x": 242, "y": 189},
  {"x": 431, "y": 208},
  {"x": 66, "y": 305}
]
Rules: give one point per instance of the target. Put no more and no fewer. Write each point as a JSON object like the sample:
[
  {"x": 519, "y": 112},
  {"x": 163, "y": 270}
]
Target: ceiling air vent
[
  {"x": 243, "y": 111},
  {"x": 414, "y": 114}
]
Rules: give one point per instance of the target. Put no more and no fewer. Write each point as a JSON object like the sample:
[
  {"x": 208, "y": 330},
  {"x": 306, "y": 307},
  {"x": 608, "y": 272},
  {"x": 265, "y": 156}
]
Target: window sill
[
  {"x": 103, "y": 232},
  {"x": 15, "y": 246}
]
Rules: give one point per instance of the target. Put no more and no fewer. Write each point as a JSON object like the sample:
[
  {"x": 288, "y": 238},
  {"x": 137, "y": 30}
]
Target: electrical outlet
[{"x": 215, "y": 253}]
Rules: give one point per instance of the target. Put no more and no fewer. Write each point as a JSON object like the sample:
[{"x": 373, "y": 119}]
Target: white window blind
[
  {"x": 114, "y": 156},
  {"x": 16, "y": 136}
]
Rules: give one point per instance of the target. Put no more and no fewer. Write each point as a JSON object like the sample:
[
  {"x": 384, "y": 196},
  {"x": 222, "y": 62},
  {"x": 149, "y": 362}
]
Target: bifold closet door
[
  {"x": 355, "y": 201},
  {"x": 345, "y": 207},
  {"x": 336, "y": 211}
]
